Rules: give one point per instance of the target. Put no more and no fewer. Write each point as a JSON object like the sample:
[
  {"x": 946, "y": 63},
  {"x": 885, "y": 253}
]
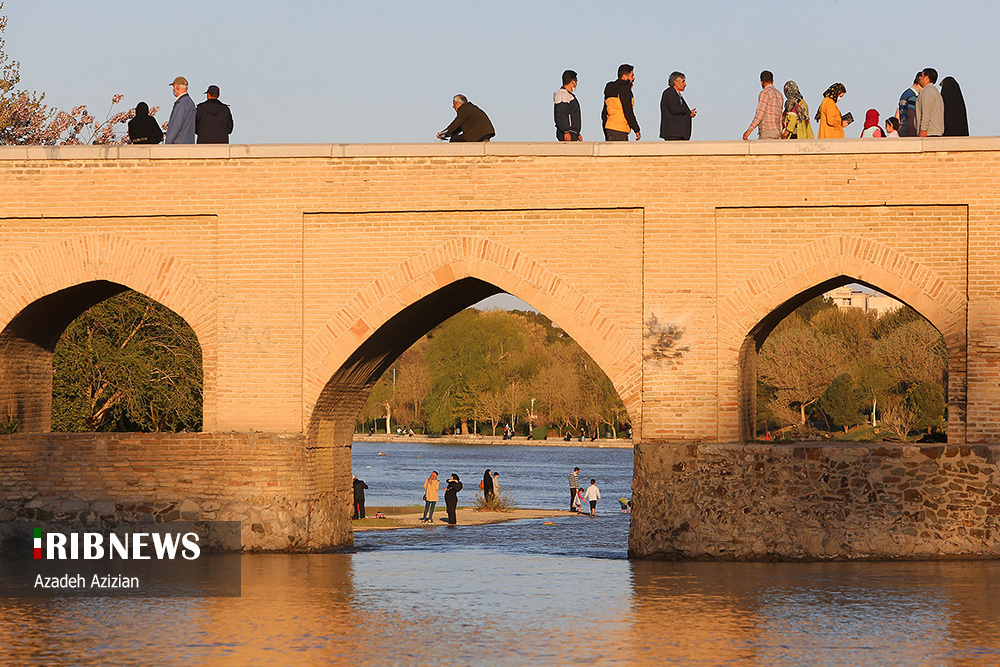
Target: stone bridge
[{"x": 305, "y": 270}]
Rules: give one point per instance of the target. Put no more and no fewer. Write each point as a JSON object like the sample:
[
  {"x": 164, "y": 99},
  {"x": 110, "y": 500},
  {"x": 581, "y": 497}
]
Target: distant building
[{"x": 870, "y": 302}]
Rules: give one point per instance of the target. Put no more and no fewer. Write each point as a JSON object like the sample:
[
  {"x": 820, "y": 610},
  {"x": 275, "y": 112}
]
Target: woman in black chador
[
  {"x": 956, "y": 119},
  {"x": 143, "y": 129},
  {"x": 487, "y": 485},
  {"x": 451, "y": 497}
]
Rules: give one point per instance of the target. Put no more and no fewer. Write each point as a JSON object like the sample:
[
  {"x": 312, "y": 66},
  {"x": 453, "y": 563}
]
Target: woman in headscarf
[
  {"x": 796, "y": 114},
  {"x": 831, "y": 123},
  {"x": 956, "y": 121},
  {"x": 872, "y": 129},
  {"x": 143, "y": 128},
  {"x": 487, "y": 485},
  {"x": 451, "y": 497}
]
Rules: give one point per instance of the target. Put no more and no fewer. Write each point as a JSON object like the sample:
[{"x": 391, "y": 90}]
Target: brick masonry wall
[
  {"x": 286, "y": 259},
  {"x": 266, "y": 481}
]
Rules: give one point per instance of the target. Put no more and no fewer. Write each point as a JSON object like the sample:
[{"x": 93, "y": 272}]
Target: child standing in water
[{"x": 593, "y": 494}]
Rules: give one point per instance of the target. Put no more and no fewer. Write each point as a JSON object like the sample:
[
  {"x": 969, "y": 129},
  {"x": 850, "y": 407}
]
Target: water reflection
[
  {"x": 466, "y": 603},
  {"x": 531, "y": 592},
  {"x": 932, "y": 613}
]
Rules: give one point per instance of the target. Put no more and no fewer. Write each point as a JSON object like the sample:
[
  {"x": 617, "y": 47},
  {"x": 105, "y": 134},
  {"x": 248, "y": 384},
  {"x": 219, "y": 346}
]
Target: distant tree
[
  {"x": 127, "y": 364},
  {"x": 799, "y": 362},
  {"x": 813, "y": 307},
  {"x": 412, "y": 385},
  {"x": 840, "y": 402},
  {"x": 379, "y": 402},
  {"x": 853, "y": 327},
  {"x": 475, "y": 352},
  {"x": 898, "y": 414},
  {"x": 913, "y": 352},
  {"x": 927, "y": 401},
  {"x": 491, "y": 405},
  {"x": 873, "y": 383}
]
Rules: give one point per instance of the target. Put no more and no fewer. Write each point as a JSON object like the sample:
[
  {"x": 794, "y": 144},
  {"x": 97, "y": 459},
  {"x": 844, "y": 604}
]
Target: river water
[{"x": 526, "y": 593}]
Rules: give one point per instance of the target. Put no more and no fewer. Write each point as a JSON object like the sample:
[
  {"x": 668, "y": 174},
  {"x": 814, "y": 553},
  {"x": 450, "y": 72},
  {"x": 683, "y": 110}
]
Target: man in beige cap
[{"x": 180, "y": 127}]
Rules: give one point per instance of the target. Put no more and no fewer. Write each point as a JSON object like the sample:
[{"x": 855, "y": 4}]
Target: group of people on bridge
[
  {"x": 210, "y": 122},
  {"x": 922, "y": 111}
]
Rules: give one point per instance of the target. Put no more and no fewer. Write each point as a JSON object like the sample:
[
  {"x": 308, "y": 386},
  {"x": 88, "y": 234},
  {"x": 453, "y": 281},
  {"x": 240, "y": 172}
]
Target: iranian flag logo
[{"x": 38, "y": 543}]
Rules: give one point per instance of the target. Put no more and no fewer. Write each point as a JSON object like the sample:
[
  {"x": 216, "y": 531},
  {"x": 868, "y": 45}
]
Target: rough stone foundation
[
  {"x": 265, "y": 481},
  {"x": 815, "y": 502}
]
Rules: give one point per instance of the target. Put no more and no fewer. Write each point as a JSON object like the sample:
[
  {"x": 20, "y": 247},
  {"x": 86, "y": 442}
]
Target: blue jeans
[{"x": 429, "y": 507}]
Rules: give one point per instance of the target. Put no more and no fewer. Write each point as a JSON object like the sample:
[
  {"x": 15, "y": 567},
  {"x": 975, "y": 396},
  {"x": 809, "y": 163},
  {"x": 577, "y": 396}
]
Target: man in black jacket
[
  {"x": 567, "y": 109},
  {"x": 675, "y": 115},
  {"x": 471, "y": 123},
  {"x": 214, "y": 121},
  {"x": 359, "y": 497}
]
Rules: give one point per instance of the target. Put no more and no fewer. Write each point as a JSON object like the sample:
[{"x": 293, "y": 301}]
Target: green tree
[
  {"x": 475, "y": 352},
  {"x": 840, "y": 402},
  {"x": 873, "y": 383},
  {"x": 813, "y": 307},
  {"x": 799, "y": 362},
  {"x": 927, "y": 400},
  {"x": 913, "y": 352},
  {"x": 127, "y": 364}
]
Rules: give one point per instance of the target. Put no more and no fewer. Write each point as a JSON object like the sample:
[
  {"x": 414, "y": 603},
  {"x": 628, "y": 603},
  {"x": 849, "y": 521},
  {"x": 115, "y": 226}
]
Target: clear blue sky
[{"x": 321, "y": 71}]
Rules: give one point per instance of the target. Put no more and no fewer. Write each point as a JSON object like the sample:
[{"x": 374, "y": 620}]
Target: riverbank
[
  {"x": 466, "y": 516},
  {"x": 601, "y": 443}
]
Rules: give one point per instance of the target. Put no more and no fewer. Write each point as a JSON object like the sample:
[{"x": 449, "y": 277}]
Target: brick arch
[
  {"x": 747, "y": 315},
  {"x": 481, "y": 259},
  {"x": 105, "y": 258}
]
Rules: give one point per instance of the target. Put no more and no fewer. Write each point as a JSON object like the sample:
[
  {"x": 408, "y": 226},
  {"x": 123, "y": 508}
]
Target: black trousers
[
  {"x": 359, "y": 509},
  {"x": 451, "y": 504},
  {"x": 572, "y": 497},
  {"x": 615, "y": 135}
]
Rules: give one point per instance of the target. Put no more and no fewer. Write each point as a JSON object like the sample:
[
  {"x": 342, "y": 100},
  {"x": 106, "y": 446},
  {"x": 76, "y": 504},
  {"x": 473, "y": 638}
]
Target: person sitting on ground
[{"x": 471, "y": 123}]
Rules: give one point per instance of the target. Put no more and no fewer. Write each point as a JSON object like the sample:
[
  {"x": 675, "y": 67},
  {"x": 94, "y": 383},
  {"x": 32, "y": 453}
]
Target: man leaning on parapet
[
  {"x": 471, "y": 123},
  {"x": 180, "y": 127}
]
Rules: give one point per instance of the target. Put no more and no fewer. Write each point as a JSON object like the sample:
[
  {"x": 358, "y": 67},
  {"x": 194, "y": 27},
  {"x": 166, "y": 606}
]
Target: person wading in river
[
  {"x": 574, "y": 488},
  {"x": 593, "y": 494}
]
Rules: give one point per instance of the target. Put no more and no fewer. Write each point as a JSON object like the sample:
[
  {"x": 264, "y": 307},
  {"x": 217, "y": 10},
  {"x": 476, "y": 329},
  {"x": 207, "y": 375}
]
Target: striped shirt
[
  {"x": 769, "y": 107},
  {"x": 574, "y": 480}
]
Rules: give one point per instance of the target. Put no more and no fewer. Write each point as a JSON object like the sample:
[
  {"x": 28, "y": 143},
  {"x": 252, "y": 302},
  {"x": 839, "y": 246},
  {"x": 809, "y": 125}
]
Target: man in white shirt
[{"x": 593, "y": 494}]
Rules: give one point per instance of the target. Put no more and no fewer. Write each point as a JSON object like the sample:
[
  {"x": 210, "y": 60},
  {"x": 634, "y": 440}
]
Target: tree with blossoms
[{"x": 25, "y": 120}]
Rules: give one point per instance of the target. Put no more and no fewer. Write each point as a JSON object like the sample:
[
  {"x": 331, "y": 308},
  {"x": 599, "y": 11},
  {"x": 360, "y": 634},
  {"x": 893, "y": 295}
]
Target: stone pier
[{"x": 816, "y": 501}]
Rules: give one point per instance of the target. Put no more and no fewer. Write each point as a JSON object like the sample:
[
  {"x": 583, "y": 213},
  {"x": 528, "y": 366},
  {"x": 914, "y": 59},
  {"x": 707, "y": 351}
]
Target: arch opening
[
  {"x": 346, "y": 392},
  {"x": 335, "y": 417},
  {"x": 847, "y": 362},
  {"x": 41, "y": 371}
]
